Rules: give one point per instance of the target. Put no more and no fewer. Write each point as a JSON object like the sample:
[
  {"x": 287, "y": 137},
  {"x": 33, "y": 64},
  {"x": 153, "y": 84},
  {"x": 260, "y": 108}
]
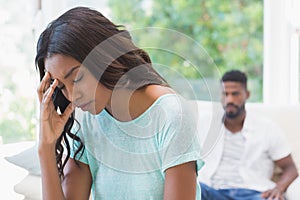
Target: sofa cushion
[{"x": 27, "y": 159}]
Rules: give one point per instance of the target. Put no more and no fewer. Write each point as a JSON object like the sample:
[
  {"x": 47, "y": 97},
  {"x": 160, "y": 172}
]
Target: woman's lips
[{"x": 85, "y": 106}]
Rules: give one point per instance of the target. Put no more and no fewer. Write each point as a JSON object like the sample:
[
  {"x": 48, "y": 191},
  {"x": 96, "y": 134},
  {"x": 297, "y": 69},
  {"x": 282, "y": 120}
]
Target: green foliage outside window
[{"x": 230, "y": 33}]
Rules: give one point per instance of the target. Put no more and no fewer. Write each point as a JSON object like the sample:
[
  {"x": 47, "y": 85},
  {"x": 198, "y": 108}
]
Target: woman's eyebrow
[{"x": 71, "y": 71}]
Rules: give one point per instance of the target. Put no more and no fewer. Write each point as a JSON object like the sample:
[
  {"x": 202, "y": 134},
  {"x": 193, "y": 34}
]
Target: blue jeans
[{"x": 209, "y": 193}]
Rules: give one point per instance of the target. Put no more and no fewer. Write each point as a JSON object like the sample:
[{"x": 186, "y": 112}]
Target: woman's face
[{"x": 78, "y": 84}]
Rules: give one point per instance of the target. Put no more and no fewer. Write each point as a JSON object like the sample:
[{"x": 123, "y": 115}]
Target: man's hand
[
  {"x": 289, "y": 174},
  {"x": 273, "y": 194}
]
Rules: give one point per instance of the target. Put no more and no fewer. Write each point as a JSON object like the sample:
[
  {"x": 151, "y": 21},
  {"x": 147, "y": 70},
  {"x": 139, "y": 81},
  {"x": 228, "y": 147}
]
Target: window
[{"x": 17, "y": 77}]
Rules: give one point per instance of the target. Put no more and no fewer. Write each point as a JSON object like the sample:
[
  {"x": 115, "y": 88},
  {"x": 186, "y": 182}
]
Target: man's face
[{"x": 234, "y": 96}]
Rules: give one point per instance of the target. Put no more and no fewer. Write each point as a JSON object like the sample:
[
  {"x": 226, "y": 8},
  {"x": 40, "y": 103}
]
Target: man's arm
[{"x": 289, "y": 174}]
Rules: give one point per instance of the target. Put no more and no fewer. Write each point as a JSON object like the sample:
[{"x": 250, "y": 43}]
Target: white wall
[{"x": 281, "y": 62}]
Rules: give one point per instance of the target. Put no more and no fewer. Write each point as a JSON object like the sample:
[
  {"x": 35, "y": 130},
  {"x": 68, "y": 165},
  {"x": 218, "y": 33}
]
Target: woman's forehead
[{"x": 59, "y": 65}]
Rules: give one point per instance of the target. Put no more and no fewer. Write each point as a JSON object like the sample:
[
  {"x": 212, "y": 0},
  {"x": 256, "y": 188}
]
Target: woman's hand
[{"x": 51, "y": 123}]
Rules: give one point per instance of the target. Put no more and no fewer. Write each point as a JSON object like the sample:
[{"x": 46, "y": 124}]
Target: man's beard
[{"x": 238, "y": 112}]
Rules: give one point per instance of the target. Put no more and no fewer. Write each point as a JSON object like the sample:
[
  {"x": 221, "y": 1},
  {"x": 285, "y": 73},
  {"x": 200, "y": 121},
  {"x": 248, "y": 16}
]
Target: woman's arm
[
  {"x": 181, "y": 182},
  {"x": 77, "y": 182},
  {"x": 51, "y": 185}
]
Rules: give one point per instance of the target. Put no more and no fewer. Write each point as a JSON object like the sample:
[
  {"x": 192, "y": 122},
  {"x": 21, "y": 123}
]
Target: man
[{"x": 241, "y": 163}]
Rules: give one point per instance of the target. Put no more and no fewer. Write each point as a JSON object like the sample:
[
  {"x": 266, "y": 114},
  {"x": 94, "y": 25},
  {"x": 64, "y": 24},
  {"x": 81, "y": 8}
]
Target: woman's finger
[
  {"x": 47, "y": 96},
  {"x": 44, "y": 85}
]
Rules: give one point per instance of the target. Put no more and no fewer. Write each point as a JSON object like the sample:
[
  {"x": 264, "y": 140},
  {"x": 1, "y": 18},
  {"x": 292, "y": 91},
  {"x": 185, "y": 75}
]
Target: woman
[{"x": 133, "y": 137}]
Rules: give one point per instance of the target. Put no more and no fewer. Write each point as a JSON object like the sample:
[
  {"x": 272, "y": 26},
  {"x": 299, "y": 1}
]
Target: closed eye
[
  {"x": 78, "y": 79},
  {"x": 61, "y": 87}
]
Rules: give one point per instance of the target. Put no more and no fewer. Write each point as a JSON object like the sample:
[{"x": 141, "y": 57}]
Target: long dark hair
[{"x": 104, "y": 48}]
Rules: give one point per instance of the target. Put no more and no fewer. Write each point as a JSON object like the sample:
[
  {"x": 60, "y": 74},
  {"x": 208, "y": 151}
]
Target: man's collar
[{"x": 248, "y": 122}]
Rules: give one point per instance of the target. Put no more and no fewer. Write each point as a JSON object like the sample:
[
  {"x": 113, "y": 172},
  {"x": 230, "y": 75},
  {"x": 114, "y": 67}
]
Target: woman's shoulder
[
  {"x": 152, "y": 99},
  {"x": 166, "y": 98},
  {"x": 158, "y": 94},
  {"x": 155, "y": 91}
]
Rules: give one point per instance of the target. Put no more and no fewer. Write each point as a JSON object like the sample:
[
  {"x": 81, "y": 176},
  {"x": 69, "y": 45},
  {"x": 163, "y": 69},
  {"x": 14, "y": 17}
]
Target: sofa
[{"x": 24, "y": 161}]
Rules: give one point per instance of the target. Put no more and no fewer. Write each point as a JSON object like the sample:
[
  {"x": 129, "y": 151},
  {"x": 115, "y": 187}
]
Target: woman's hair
[{"x": 104, "y": 48}]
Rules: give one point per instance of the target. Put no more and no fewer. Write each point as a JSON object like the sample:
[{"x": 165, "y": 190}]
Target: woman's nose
[{"x": 75, "y": 95}]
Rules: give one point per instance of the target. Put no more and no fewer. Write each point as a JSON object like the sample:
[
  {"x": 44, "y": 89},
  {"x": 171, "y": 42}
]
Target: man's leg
[
  {"x": 244, "y": 194},
  {"x": 209, "y": 193}
]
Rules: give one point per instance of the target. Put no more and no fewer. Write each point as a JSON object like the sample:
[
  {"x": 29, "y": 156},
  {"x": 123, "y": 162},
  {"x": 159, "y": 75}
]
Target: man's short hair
[{"x": 235, "y": 76}]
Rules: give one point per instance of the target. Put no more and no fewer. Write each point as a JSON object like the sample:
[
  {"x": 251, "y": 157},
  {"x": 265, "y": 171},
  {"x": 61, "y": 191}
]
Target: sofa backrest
[{"x": 287, "y": 117}]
